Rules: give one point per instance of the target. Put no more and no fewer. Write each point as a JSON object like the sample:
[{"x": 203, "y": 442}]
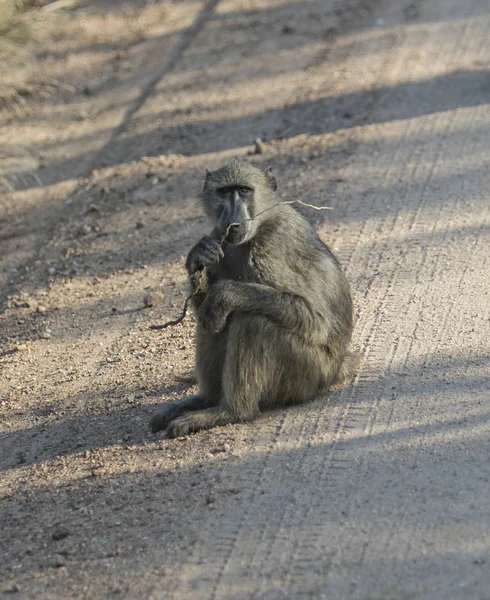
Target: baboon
[{"x": 273, "y": 305}]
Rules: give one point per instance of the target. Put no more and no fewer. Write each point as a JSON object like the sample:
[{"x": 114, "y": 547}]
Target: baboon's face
[
  {"x": 234, "y": 212},
  {"x": 235, "y": 195}
]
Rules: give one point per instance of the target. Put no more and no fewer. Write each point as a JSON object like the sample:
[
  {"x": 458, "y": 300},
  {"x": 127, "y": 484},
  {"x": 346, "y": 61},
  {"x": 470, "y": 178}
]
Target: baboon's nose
[{"x": 232, "y": 228}]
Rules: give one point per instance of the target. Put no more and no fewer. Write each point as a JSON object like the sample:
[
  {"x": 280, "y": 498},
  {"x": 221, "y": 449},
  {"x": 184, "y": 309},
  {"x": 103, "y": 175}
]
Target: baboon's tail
[{"x": 349, "y": 367}]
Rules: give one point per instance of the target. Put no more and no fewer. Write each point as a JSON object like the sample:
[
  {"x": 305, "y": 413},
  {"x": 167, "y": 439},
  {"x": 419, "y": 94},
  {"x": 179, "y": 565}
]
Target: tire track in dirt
[
  {"x": 420, "y": 224},
  {"x": 384, "y": 542}
]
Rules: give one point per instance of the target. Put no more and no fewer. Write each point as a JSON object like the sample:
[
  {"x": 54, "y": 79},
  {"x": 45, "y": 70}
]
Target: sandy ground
[{"x": 379, "y": 491}]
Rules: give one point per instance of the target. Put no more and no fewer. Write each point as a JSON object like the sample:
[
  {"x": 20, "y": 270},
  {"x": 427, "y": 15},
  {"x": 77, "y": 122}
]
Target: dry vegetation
[
  {"x": 23, "y": 25},
  {"x": 34, "y": 34}
]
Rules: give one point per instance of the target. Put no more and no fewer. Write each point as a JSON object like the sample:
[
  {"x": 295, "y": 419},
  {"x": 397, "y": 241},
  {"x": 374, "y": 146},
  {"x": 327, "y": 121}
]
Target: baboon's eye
[{"x": 244, "y": 190}]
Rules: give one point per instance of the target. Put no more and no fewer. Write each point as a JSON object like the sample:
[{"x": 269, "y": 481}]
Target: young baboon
[{"x": 274, "y": 307}]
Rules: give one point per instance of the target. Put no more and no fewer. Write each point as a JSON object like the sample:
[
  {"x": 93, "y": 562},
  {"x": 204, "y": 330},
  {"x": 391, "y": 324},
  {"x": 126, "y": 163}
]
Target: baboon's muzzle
[{"x": 236, "y": 233}]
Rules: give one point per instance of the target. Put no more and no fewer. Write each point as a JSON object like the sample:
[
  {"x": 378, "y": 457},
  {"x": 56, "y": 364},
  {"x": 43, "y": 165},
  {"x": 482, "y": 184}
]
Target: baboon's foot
[
  {"x": 202, "y": 419},
  {"x": 181, "y": 427},
  {"x": 161, "y": 419},
  {"x": 173, "y": 410},
  {"x": 349, "y": 368}
]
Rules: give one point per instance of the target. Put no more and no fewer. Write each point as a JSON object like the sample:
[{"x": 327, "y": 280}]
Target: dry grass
[
  {"x": 22, "y": 24},
  {"x": 17, "y": 39}
]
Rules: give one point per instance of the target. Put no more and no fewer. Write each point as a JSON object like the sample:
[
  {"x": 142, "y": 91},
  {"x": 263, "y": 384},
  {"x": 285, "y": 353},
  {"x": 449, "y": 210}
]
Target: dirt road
[{"x": 380, "y": 491}]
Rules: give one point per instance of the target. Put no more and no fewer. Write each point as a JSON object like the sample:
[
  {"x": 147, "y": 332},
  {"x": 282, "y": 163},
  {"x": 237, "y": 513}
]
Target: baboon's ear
[
  {"x": 205, "y": 182},
  {"x": 271, "y": 178},
  {"x": 208, "y": 174}
]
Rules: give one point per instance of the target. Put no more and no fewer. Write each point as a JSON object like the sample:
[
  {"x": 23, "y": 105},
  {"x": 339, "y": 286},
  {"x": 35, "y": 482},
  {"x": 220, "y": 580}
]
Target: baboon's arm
[{"x": 291, "y": 312}]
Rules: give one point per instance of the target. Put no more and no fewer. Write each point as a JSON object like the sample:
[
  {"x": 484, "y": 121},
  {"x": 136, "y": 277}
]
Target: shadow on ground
[
  {"x": 213, "y": 489},
  {"x": 108, "y": 422}
]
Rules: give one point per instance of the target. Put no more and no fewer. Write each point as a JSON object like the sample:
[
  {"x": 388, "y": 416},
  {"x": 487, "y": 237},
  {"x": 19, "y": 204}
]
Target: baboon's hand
[
  {"x": 206, "y": 252},
  {"x": 215, "y": 309}
]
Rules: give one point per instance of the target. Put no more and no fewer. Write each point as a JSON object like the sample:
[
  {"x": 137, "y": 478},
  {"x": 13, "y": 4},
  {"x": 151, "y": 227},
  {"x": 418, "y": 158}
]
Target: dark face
[{"x": 234, "y": 212}]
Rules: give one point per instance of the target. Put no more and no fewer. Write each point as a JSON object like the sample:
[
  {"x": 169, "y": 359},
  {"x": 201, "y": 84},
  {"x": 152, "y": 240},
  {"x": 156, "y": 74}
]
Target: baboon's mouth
[
  {"x": 236, "y": 235},
  {"x": 235, "y": 238}
]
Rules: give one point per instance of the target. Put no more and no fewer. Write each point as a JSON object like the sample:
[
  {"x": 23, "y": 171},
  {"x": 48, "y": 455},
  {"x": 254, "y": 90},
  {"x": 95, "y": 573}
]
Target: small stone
[
  {"x": 46, "y": 336},
  {"x": 139, "y": 224},
  {"x": 89, "y": 89},
  {"x": 59, "y": 562},
  {"x": 331, "y": 31},
  {"x": 41, "y": 309},
  {"x": 259, "y": 146},
  {"x": 153, "y": 298},
  {"x": 60, "y": 533},
  {"x": 13, "y": 589},
  {"x": 226, "y": 447},
  {"x": 85, "y": 229},
  {"x": 51, "y": 271},
  {"x": 92, "y": 207},
  {"x": 21, "y": 347},
  {"x": 114, "y": 309}
]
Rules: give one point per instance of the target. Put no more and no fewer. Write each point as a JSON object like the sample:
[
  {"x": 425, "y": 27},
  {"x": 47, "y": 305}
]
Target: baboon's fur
[{"x": 274, "y": 307}]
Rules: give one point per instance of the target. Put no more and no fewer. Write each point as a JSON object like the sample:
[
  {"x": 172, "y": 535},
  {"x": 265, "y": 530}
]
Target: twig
[
  {"x": 292, "y": 202},
  {"x": 305, "y": 204},
  {"x": 57, "y": 5},
  {"x": 184, "y": 310},
  {"x": 197, "y": 289}
]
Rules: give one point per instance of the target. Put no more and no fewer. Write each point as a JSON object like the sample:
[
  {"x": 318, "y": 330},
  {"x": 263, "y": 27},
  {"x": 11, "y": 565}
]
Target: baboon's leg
[
  {"x": 267, "y": 364},
  {"x": 262, "y": 363},
  {"x": 172, "y": 410},
  {"x": 247, "y": 365},
  {"x": 210, "y": 357},
  {"x": 241, "y": 379},
  {"x": 210, "y": 350},
  {"x": 202, "y": 419}
]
